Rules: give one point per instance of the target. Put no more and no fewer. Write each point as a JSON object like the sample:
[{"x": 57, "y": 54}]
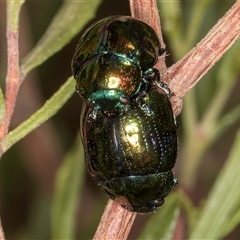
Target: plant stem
[
  {"x": 13, "y": 78},
  {"x": 1, "y": 232},
  {"x": 140, "y": 10},
  {"x": 186, "y": 73},
  {"x": 116, "y": 222},
  {"x": 182, "y": 76}
]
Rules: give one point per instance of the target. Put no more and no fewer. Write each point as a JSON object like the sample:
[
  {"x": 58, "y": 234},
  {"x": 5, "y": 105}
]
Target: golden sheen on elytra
[{"x": 128, "y": 128}]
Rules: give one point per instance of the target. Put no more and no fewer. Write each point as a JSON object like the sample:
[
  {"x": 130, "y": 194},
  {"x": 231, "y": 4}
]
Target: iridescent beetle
[
  {"x": 114, "y": 60},
  {"x": 131, "y": 150},
  {"x": 130, "y": 155}
]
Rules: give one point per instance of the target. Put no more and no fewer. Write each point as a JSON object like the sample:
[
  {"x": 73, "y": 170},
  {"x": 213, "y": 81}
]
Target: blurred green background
[{"x": 28, "y": 170}]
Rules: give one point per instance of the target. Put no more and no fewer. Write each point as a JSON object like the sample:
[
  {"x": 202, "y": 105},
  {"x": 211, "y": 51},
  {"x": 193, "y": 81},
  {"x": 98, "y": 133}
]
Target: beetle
[
  {"x": 114, "y": 61},
  {"x": 131, "y": 154}
]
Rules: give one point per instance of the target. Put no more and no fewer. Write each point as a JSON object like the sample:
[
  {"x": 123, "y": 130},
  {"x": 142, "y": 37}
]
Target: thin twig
[
  {"x": 13, "y": 81},
  {"x": 181, "y": 77},
  {"x": 117, "y": 222},
  {"x": 13, "y": 78},
  {"x": 186, "y": 73},
  {"x": 140, "y": 9},
  {"x": 13, "y": 74},
  {"x": 1, "y": 232}
]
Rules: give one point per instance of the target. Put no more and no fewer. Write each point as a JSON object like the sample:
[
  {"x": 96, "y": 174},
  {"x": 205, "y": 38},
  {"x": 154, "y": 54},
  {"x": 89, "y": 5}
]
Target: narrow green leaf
[
  {"x": 172, "y": 25},
  {"x": 2, "y": 106},
  {"x": 197, "y": 14},
  {"x": 66, "y": 197},
  {"x": 223, "y": 200},
  {"x": 71, "y": 17},
  {"x": 233, "y": 222},
  {"x": 192, "y": 212},
  {"x": 227, "y": 75},
  {"x": 43, "y": 114},
  {"x": 13, "y": 10},
  {"x": 227, "y": 121},
  {"x": 229, "y": 69},
  {"x": 162, "y": 224}
]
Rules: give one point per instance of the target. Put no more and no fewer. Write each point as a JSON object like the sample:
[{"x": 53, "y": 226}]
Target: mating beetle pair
[{"x": 127, "y": 123}]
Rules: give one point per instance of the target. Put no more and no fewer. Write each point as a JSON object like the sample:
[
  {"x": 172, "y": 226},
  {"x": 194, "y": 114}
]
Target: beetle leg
[
  {"x": 93, "y": 115},
  {"x": 161, "y": 51},
  {"x": 143, "y": 105},
  {"x": 146, "y": 108},
  {"x": 160, "y": 84},
  {"x": 165, "y": 88}
]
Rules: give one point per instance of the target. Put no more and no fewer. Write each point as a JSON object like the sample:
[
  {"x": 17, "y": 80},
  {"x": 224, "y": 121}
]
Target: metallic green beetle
[
  {"x": 131, "y": 154},
  {"x": 114, "y": 61}
]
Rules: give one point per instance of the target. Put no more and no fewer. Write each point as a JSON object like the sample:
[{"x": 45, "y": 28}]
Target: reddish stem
[
  {"x": 13, "y": 81},
  {"x": 1, "y": 232},
  {"x": 186, "y": 73},
  {"x": 181, "y": 77},
  {"x": 13, "y": 73},
  {"x": 140, "y": 10},
  {"x": 116, "y": 222}
]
